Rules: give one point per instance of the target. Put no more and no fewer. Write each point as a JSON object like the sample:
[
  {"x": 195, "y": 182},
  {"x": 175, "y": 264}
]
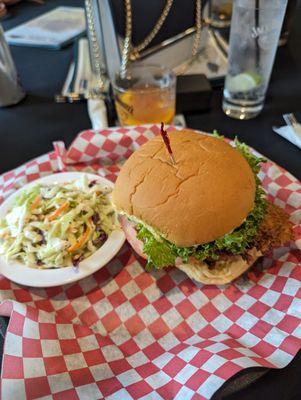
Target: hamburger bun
[
  {"x": 206, "y": 194},
  {"x": 222, "y": 272}
]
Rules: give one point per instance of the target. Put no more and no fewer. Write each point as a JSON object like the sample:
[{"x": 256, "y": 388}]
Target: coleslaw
[{"x": 59, "y": 225}]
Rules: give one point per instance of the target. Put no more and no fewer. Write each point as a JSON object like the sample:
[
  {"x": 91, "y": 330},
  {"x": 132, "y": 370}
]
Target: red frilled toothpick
[{"x": 167, "y": 143}]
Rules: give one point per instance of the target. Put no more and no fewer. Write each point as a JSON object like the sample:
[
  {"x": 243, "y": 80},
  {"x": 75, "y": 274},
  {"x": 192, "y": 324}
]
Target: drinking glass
[
  {"x": 288, "y": 21},
  {"x": 10, "y": 90},
  {"x": 146, "y": 95},
  {"x": 219, "y": 13},
  {"x": 254, "y": 35}
]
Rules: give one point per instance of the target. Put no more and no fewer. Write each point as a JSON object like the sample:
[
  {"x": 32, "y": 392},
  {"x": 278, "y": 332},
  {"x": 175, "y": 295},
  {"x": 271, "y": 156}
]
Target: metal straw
[{"x": 257, "y": 54}]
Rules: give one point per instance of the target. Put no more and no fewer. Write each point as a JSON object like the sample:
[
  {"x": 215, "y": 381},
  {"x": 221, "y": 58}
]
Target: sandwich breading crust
[{"x": 275, "y": 229}]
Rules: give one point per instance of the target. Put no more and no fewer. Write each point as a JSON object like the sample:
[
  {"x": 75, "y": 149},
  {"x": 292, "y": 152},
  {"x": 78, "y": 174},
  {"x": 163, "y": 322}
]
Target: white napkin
[
  {"x": 96, "y": 106},
  {"x": 98, "y": 113},
  {"x": 291, "y": 133}
]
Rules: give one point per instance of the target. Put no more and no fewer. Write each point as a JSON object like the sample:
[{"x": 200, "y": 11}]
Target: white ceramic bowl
[{"x": 24, "y": 275}]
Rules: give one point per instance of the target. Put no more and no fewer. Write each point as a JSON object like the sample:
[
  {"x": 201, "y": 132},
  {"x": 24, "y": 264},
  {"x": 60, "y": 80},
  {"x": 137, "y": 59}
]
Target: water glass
[
  {"x": 10, "y": 90},
  {"x": 254, "y": 35}
]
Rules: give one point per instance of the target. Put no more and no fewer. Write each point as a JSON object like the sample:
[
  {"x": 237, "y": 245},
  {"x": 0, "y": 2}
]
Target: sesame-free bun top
[{"x": 206, "y": 194}]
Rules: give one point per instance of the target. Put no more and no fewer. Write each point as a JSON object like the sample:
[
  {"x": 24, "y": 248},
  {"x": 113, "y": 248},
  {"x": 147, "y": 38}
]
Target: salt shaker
[{"x": 10, "y": 90}]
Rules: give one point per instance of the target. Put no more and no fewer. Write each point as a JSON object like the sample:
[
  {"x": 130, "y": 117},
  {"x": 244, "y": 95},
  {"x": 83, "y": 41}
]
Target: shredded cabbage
[
  {"x": 57, "y": 225},
  {"x": 162, "y": 253}
]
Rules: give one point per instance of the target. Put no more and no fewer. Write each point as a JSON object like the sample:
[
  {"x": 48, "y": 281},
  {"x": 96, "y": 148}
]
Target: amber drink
[{"x": 145, "y": 96}]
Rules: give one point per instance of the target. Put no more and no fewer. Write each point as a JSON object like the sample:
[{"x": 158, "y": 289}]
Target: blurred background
[{"x": 87, "y": 66}]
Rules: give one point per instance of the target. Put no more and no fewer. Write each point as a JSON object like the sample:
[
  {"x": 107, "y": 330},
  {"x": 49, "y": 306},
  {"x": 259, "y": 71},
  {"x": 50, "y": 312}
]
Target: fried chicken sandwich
[{"x": 205, "y": 213}]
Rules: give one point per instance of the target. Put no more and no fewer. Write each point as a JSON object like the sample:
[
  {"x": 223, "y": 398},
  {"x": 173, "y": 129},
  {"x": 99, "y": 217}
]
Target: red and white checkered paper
[{"x": 123, "y": 333}]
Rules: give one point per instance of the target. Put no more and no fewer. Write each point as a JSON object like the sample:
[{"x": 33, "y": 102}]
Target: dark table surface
[{"x": 28, "y": 130}]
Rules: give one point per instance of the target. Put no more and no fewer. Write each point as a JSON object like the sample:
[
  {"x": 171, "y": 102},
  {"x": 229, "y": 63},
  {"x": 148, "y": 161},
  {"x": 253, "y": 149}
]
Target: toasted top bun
[{"x": 206, "y": 194}]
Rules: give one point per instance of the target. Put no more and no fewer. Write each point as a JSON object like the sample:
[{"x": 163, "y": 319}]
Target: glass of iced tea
[
  {"x": 146, "y": 95},
  {"x": 220, "y": 12}
]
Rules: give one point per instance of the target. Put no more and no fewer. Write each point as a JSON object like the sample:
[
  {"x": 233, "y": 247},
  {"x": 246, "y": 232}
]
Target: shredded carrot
[
  {"x": 36, "y": 202},
  {"x": 58, "y": 211},
  {"x": 81, "y": 240}
]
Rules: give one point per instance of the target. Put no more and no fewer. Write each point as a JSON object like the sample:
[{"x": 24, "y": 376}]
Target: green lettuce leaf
[
  {"x": 163, "y": 253},
  {"x": 159, "y": 254}
]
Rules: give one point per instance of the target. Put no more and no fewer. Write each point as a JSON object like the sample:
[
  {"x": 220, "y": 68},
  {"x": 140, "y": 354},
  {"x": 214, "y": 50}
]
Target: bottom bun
[{"x": 222, "y": 272}]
